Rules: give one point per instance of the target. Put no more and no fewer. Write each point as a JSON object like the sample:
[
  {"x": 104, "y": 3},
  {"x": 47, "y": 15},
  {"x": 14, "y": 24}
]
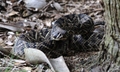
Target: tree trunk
[{"x": 109, "y": 58}]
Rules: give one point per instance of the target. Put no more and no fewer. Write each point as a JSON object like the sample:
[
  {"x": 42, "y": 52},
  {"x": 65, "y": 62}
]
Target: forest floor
[{"x": 13, "y": 13}]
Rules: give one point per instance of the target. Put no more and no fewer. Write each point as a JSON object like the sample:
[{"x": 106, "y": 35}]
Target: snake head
[{"x": 57, "y": 33}]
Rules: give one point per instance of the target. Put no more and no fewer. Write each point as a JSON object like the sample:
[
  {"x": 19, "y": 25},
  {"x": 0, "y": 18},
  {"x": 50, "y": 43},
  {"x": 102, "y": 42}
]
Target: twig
[
  {"x": 4, "y": 54},
  {"x": 10, "y": 27},
  {"x": 100, "y": 9},
  {"x": 46, "y": 7}
]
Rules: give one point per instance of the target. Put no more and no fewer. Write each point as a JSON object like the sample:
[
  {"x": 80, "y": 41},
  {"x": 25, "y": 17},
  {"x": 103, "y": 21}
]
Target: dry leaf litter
[{"x": 17, "y": 16}]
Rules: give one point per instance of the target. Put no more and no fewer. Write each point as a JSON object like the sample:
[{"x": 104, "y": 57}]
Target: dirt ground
[{"x": 14, "y": 13}]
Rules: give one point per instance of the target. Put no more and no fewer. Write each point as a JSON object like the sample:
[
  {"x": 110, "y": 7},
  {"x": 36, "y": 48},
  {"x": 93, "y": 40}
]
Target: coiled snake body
[{"x": 69, "y": 34}]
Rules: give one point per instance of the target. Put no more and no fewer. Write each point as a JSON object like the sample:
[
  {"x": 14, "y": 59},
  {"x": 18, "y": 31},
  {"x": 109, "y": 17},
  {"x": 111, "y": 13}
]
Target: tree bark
[
  {"x": 112, "y": 34},
  {"x": 109, "y": 57}
]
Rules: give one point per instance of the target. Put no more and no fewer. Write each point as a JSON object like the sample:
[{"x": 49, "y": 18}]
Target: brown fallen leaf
[
  {"x": 35, "y": 3},
  {"x": 12, "y": 13},
  {"x": 35, "y": 56},
  {"x": 58, "y": 6}
]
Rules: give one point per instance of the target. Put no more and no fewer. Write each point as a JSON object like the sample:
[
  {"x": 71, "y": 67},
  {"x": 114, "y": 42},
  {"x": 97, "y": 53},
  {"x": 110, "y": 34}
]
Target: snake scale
[{"x": 69, "y": 34}]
